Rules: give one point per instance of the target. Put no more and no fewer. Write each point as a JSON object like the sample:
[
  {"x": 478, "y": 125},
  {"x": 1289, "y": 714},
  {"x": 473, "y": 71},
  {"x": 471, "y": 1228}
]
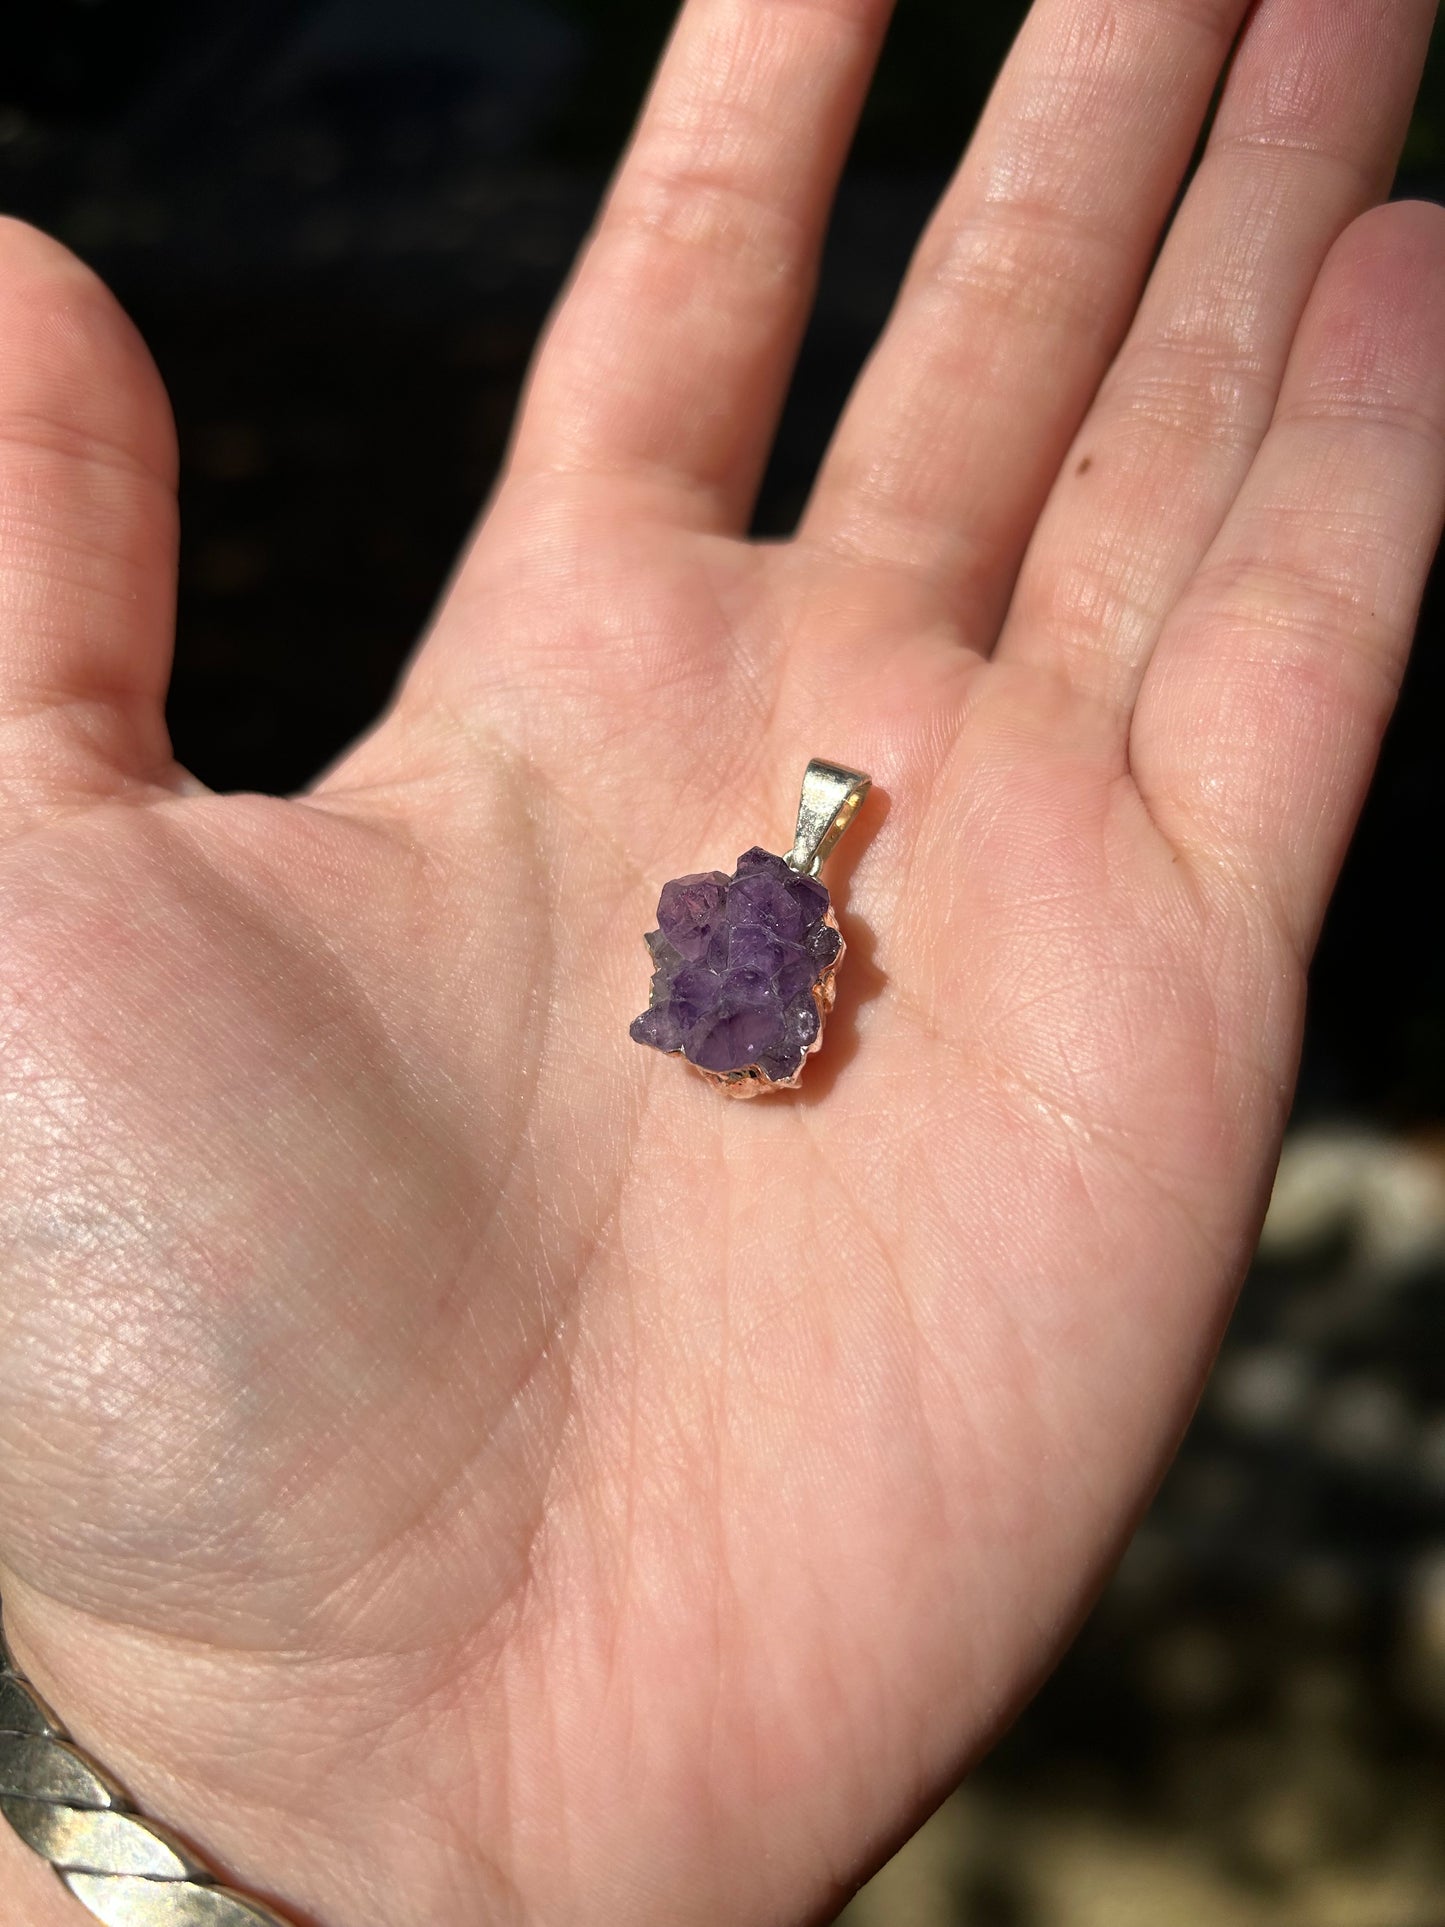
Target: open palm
[{"x": 453, "y": 1464}]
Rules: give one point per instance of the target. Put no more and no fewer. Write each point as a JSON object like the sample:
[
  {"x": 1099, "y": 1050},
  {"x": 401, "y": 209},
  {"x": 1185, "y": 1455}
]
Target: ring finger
[{"x": 1307, "y": 135}]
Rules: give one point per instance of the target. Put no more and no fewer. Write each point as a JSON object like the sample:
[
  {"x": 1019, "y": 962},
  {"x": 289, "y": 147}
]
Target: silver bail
[{"x": 829, "y": 802}]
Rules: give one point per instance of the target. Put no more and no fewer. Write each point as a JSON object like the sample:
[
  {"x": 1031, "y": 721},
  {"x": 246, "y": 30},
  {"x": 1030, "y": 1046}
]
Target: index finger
[{"x": 668, "y": 360}]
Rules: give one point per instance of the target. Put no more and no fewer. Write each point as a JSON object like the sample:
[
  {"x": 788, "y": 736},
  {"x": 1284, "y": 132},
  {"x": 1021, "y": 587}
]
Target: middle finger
[{"x": 1019, "y": 292}]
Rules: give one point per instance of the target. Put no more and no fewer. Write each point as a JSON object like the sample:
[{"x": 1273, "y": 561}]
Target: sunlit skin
[{"x": 454, "y": 1465}]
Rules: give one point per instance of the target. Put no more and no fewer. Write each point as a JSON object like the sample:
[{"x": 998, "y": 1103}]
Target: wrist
[{"x": 204, "y": 1804}]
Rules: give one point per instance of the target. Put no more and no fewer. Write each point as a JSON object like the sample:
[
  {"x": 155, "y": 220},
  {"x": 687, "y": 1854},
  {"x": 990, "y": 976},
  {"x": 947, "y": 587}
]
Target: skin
[{"x": 454, "y": 1466}]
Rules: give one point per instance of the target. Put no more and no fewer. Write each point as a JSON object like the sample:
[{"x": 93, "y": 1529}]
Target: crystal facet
[
  {"x": 739, "y": 963},
  {"x": 687, "y": 910}
]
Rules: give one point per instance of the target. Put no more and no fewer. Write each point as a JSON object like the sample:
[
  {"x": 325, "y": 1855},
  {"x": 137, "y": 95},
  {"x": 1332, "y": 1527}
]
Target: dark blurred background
[{"x": 340, "y": 224}]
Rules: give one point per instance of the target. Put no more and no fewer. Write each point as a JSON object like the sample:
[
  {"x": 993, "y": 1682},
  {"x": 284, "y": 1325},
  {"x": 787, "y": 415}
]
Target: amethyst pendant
[{"x": 744, "y": 965}]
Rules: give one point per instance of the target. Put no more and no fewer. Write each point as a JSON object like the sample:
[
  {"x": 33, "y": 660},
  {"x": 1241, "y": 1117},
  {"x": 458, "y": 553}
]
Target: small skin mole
[{"x": 1085, "y": 464}]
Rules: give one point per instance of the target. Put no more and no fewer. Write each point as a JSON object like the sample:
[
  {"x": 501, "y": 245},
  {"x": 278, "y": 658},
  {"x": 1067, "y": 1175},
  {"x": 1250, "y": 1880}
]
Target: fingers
[
  {"x": 1262, "y": 710},
  {"x": 87, "y": 537},
  {"x": 1307, "y": 134},
  {"x": 1020, "y": 291},
  {"x": 668, "y": 360}
]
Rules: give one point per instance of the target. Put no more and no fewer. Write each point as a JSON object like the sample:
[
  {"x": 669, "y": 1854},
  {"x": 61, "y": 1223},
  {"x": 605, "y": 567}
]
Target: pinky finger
[{"x": 1262, "y": 710}]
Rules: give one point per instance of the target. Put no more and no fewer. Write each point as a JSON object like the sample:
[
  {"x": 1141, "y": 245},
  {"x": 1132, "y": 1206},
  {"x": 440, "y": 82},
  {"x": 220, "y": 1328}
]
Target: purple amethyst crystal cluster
[{"x": 736, "y": 961}]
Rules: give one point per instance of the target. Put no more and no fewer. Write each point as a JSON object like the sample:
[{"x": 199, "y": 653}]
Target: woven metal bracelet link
[{"x": 124, "y": 1870}]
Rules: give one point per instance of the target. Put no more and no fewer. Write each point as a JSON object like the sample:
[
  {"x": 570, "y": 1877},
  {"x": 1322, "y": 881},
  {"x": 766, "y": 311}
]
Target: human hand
[{"x": 453, "y": 1465}]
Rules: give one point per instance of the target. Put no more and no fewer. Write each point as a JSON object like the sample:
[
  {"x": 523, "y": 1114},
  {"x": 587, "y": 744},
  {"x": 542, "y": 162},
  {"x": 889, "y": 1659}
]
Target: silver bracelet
[{"x": 123, "y": 1870}]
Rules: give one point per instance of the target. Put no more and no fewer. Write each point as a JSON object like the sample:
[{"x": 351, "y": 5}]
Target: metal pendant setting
[{"x": 745, "y": 965}]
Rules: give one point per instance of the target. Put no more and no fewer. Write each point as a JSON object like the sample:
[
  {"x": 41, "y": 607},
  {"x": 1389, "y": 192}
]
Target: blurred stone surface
[
  {"x": 1389, "y": 1195},
  {"x": 1422, "y": 1654}
]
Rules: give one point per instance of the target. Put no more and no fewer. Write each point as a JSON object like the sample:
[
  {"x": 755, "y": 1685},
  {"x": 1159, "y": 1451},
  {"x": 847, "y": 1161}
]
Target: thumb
[{"x": 87, "y": 540}]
